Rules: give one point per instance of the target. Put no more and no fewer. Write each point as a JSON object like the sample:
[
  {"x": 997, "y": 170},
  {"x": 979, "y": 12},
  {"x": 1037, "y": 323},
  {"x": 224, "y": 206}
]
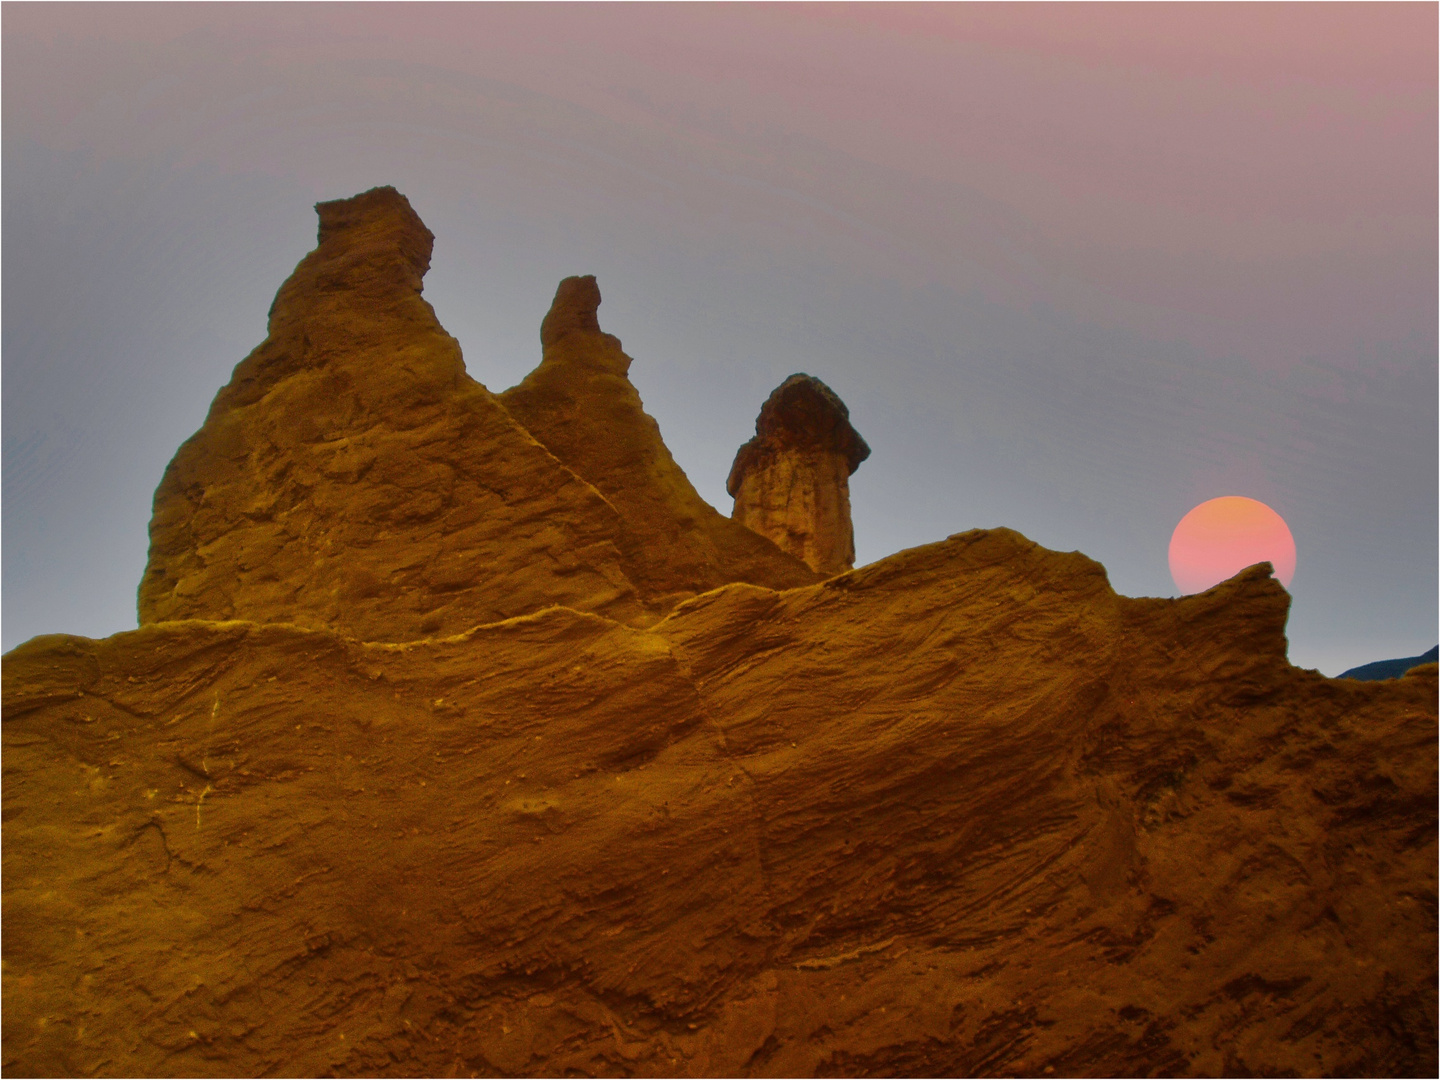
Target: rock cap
[
  {"x": 381, "y": 211},
  {"x": 802, "y": 413}
]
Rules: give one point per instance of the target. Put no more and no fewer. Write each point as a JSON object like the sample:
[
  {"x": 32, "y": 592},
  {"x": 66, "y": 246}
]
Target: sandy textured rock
[
  {"x": 791, "y": 482},
  {"x": 963, "y": 811},
  {"x": 353, "y": 476},
  {"x": 581, "y": 404}
]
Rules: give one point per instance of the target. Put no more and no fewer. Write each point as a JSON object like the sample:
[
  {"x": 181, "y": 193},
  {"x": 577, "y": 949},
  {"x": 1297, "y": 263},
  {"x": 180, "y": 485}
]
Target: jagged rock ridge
[
  {"x": 964, "y": 811},
  {"x": 353, "y": 476}
]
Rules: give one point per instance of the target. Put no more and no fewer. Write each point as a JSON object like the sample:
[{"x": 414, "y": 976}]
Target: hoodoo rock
[
  {"x": 416, "y": 767},
  {"x": 791, "y": 482}
]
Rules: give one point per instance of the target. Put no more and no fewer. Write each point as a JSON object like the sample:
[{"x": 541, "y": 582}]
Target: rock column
[{"x": 791, "y": 482}]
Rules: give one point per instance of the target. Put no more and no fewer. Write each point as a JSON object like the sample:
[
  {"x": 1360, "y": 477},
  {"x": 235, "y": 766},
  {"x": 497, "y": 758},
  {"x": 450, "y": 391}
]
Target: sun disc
[{"x": 1221, "y": 537}]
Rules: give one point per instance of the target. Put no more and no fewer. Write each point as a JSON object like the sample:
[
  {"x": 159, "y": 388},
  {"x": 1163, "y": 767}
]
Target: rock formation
[
  {"x": 791, "y": 482},
  {"x": 353, "y": 476},
  {"x": 964, "y": 811},
  {"x": 582, "y": 407}
]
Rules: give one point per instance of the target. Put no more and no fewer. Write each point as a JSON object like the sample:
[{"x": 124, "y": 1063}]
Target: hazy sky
[{"x": 1074, "y": 268}]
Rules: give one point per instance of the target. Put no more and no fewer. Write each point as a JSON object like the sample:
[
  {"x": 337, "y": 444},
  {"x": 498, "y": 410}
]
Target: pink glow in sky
[
  {"x": 1165, "y": 164},
  {"x": 1223, "y": 536}
]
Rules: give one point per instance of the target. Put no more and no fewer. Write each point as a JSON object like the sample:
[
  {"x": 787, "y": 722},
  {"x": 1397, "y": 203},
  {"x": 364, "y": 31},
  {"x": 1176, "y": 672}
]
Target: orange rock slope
[{"x": 962, "y": 811}]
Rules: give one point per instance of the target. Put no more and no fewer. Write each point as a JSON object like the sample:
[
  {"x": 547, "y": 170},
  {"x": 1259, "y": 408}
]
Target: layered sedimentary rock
[
  {"x": 353, "y": 476},
  {"x": 964, "y": 811},
  {"x": 581, "y": 404},
  {"x": 791, "y": 482}
]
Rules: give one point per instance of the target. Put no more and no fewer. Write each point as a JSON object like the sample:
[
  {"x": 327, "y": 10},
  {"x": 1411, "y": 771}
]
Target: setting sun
[{"x": 1221, "y": 537}]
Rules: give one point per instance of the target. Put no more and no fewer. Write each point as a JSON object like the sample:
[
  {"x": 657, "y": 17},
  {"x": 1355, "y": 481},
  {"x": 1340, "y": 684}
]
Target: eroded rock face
[
  {"x": 352, "y": 476},
  {"x": 962, "y": 812},
  {"x": 791, "y": 482}
]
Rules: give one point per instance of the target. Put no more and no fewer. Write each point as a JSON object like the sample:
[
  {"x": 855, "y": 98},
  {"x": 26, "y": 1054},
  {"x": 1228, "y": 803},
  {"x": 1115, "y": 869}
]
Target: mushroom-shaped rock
[{"x": 791, "y": 482}]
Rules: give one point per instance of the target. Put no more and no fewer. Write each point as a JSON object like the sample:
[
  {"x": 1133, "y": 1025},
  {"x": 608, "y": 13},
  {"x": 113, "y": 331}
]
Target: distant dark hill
[{"x": 1390, "y": 669}]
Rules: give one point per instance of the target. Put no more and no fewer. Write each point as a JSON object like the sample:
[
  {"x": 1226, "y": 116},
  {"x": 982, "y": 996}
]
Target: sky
[{"x": 1074, "y": 268}]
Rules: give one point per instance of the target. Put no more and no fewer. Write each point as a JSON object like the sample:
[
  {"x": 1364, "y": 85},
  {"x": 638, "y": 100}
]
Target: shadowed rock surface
[
  {"x": 964, "y": 811},
  {"x": 791, "y": 482}
]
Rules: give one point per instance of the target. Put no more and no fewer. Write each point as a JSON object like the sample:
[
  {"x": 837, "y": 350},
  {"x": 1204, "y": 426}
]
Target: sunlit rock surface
[
  {"x": 964, "y": 811},
  {"x": 791, "y": 482},
  {"x": 352, "y": 476}
]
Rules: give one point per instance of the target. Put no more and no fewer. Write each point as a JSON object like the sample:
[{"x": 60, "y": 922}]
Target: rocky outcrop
[
  {"x": 352, "y": 476},
  {"x": 962, "y": 812},
  {"x": 791, "y": 482},
  {"x": 581, "y": 405}
]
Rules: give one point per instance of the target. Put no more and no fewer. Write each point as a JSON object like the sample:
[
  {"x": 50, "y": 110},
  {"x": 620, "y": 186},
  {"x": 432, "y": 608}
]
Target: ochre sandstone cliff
[
  {"x": 964, "y": 811},
  {"x": 353, "y": 476},
  {"x": 791, "y": 482}
]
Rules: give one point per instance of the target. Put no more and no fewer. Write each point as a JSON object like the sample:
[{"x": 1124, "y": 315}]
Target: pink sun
[{"x": 1221, "y": 537}]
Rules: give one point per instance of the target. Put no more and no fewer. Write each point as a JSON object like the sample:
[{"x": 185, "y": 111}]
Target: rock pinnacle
[{"x": 791, "y": 481}]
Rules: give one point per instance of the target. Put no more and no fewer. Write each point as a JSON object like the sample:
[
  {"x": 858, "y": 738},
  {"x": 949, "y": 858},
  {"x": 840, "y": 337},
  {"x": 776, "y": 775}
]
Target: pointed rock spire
[
  {"x": 574, "y": 310},
  {"x": 570, "y": 334},
  {"x": 791, "y": 482}
]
